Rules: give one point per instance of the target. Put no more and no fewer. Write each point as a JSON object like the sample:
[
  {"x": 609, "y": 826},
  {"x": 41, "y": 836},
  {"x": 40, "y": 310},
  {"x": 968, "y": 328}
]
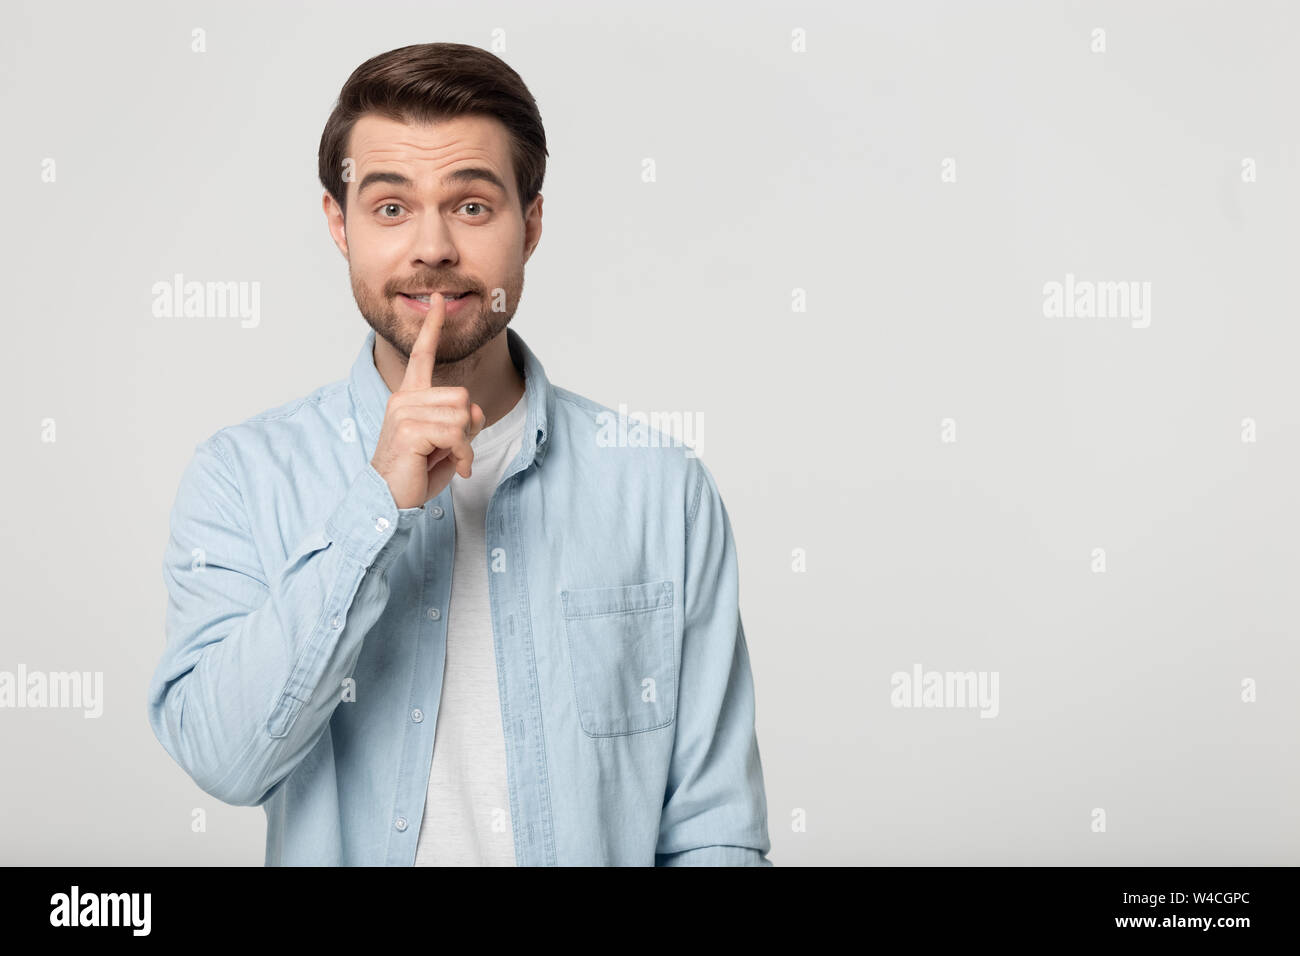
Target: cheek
[
  {"x": 494, "y": 263},
  {"x": 375, "y": 263}
]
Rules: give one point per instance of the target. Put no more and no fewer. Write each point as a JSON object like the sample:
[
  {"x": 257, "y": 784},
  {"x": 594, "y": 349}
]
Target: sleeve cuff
[
  {"x": 368, "y": 525},
  {"x": 714, "y": 856}
]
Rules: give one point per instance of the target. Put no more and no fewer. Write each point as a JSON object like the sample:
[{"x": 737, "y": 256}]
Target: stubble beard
[{"x": 462, "y": 335}]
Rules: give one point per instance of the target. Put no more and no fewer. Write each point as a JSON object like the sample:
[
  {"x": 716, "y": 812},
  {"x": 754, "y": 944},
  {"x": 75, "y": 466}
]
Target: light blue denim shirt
[{"x": 306, "y": 636}]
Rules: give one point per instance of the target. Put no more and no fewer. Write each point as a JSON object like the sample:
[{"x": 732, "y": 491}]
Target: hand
[{"x": 427, "y": 430}]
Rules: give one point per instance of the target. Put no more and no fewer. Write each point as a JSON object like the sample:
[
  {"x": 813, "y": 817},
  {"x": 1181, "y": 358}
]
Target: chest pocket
[{"x": 623, "y": 653}]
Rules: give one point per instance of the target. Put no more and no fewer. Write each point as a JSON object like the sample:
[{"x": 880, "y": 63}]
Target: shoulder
[
  {"x": 293, "y": 429},
  {"x": 617, "y": 445}
]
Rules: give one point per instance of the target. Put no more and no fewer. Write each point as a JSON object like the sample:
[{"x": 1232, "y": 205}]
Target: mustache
[{"x": 415, "y": 285}]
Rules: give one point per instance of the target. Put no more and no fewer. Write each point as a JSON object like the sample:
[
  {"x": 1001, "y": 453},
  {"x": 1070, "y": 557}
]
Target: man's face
[{"x": 417, "y": 221}]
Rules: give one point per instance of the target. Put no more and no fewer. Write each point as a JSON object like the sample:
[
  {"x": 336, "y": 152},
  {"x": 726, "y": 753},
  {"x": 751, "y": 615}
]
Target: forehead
[{"x": 427, "y": 150}]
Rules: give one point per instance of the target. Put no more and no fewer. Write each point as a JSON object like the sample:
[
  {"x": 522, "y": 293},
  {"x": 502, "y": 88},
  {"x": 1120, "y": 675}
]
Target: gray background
[{"x": 776, "y": 171}]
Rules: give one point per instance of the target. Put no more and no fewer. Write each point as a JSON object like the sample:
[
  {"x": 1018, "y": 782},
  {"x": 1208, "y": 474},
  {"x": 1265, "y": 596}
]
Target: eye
[
  {"x": 390, "y": 205},
  {"x": 480, "y": 206}
]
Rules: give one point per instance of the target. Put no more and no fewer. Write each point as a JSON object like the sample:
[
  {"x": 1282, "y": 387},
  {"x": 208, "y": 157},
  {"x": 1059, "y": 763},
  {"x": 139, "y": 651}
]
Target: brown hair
[{"x": 427, "y": 82}]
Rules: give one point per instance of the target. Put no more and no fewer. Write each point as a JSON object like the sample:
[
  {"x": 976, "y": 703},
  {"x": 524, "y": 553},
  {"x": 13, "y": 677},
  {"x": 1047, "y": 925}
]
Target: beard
[{"x": 462, "y": 335}]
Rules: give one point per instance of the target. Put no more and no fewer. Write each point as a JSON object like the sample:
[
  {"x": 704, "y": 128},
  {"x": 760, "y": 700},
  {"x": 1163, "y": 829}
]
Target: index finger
[{"x": 419, "y": 367}]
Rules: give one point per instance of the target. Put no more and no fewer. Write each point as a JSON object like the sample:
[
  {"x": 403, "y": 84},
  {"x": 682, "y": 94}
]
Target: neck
[{"x": 489, "y": 374}]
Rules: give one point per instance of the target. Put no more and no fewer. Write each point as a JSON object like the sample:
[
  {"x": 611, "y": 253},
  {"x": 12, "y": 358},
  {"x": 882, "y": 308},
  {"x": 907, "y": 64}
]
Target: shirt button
[
  {"x": 434, "y": 614},
  {"x": 417, "y": 715},
  {"x": 436, "y": 511},
  {"x": 336, "y": 621},
  {"x": 381, "y": 524},
  {"x": 401, "y": 823}
]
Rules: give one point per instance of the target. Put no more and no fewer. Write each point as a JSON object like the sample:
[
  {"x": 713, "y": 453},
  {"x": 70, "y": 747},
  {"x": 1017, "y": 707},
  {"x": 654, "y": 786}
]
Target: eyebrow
[{"x": 466, "y": 175}]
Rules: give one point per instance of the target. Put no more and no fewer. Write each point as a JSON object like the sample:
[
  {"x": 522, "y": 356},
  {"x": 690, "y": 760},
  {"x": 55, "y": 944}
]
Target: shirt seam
[
  {"x": 695, "y": 504},
  {"x": 234, "y": 480},
  {"x": 324, "y": 392}
]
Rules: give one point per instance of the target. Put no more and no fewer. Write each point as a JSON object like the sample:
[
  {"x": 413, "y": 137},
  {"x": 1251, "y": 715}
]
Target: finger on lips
[{"x": 419, "y": 367}]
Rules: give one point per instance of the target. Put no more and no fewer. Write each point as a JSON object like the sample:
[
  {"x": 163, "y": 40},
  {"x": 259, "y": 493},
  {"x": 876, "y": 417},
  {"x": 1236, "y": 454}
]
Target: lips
[
  {"x": 454, "y": 307},
  {"x": 425, "y": 296}
]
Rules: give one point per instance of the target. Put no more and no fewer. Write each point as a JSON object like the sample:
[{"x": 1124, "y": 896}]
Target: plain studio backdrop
[{"x": 827, "y": 234}]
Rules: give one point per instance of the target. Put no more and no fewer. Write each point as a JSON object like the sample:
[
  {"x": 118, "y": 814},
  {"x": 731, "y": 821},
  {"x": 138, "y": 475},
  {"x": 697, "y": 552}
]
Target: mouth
[
  {"x": 419, "y": 301},
  {"x": 424, "y": 296}
]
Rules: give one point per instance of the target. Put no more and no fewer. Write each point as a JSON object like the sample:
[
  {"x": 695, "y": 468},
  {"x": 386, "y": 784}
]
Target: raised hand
[{"x": 427, "y": 429}]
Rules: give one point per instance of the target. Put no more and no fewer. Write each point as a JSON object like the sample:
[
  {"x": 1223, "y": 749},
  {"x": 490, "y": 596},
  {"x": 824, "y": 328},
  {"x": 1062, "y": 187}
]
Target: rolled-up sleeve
[{"x": 715, "y": 807}]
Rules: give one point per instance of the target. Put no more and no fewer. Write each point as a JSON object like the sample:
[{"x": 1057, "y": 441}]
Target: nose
[{"x": 434, "y": 247}]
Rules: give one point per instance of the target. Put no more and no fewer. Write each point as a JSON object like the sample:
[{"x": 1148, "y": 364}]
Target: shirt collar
[{"x": 370, "y": 394}]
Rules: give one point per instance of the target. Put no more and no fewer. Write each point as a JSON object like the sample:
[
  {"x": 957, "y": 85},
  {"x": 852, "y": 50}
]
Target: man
[{"x": 422, "y": 615}]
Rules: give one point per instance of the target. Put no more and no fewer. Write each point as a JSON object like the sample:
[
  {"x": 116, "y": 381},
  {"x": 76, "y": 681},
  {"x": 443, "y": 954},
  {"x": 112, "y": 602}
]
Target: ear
[
  {"x": 334, "y": 221},
  {"x": 533, "y": 227}
]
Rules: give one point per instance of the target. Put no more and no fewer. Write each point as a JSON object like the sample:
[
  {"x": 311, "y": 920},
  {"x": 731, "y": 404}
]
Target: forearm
[{"x": 253, "y": 670}]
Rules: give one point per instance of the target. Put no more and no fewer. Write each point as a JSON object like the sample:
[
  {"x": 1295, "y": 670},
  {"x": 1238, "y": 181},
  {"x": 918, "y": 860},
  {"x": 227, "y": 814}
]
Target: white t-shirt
[{"x": 467, "y": 805}]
